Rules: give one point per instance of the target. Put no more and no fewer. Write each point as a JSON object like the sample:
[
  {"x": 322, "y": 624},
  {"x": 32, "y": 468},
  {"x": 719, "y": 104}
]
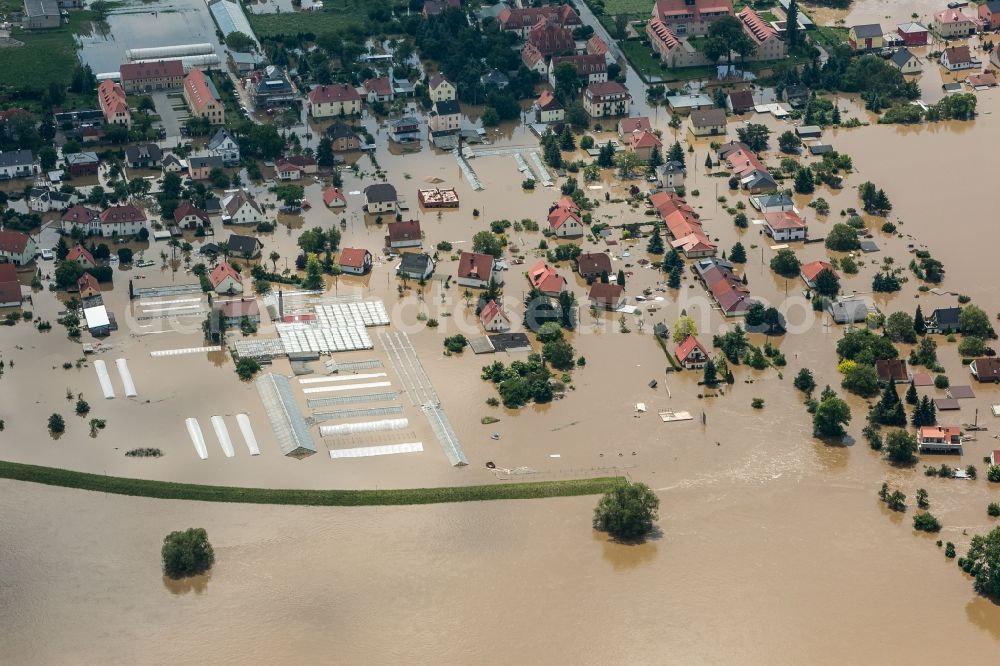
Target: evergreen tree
[
  {"x": 605, "y": 278},
  {"x": 606, "y": 158},
  {"x": 566, "y": 139},
  {"x": 655, "y": 245},
  {"x": 62, "y": 249},
  {"x": 674, "y": 280},
  {"x": 792, "y": 23},
  {"x": 677, "y": 153},
  {"x": 621, "y": 277},
  {"x": 655, "y": 158},
  {"x": 911, "y": 394},
  {"x": 918, "y": 322},
  {"x": 835, "y": 117},
  {"x": 804, "y": 183},
  {"x": 708, "y": 161},
  {"x": 711, "y": 376},
  {"x": 925, "y": 413},
  {"x": 889, "y": 410},
  {"x": 738, "y": 255}
]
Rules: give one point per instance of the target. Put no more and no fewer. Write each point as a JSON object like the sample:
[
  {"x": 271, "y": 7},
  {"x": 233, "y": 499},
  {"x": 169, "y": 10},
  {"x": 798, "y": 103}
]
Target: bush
[
  {"x": 82, "y": 407},
  {"x": 187, "y": 553},
  {"x": 949, "y": 550},
  {"x": 455, "y": 343},
  {"x": 757, "y": 403},
  {"x": 247, "y": 367},
  {"x": 627, "y": 512},
  {"x": 941, "y": 382},
  {"x": 993, "y": 474},
  {"x": 993, "y": 509},
  {"x": 56, "y": 424},
  {"x": 926, "y": 522}
]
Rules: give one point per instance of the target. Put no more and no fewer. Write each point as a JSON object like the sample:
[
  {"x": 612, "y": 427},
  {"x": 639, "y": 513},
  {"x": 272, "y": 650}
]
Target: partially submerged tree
[{"x": 627, "y": 511}]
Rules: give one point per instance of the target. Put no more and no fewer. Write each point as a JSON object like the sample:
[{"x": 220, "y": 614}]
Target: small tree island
[
  {"x": 627, "y": 512},
  {"x": 187, "y": 553}
]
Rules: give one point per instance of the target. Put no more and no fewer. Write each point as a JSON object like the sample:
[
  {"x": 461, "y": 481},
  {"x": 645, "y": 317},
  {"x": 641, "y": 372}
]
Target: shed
[{"x": 809, "y": 132}]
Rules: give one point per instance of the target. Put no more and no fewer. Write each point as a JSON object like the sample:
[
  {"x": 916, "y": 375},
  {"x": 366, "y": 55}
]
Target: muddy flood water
[{"x": 772, "y": 546}]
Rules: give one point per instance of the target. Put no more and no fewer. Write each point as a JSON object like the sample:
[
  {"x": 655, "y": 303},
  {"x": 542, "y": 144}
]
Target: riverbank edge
[{"x": 53, "y": 476}]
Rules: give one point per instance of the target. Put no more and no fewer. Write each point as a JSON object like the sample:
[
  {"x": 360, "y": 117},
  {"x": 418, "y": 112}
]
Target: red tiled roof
[
  {"x": 112, "y": 98},
  {"x": 606, "y": 294},
  {"x": 813, "y": 268},
  {"x": 605, "y": 89},
  {"x": 337, "y": 92},
  {"x": 352, "y": 257},
  {"x": 957, "y": 54},
  {"x": 544, "y": 277},
  {"x": 638, "y": 123},
  {"x": 78, "y": 213},
  {"x": 531, "y": 56},
  {"x": 332, "y": 194},
  {"x": 952, "y": 16},
  {"x": 379, "y": 86},
  {"x": 593, "y": 263},
  {"x": 87, "y": 281},
  {"x": 475, "y": 266},
  {"x": 490, "y": 312},
  {"x": 78, "y": 251},
  {"x": 187, "y": 208},
  {"x": 644, "y": 140},
  {"x": 198, "y": 90},
  {"x": 550, "y": 37},
  {"x": 13, "y": 241},
  {"x": 404, "y": 231},
  {"x": 127, "y": 213},
  {"x": 596, "y": 45},
  {"x": 244, "y": 307},
  {"x": 692, "y": 7},
  {"x": 785, "y": 219},
  {"x": 690, "y": 343},
  {"x": 759, "y": 29},
  {"x": 566, "y": 209},
  {"x": 10, "y": 288},
  {"x": 221, "y": 272},
  {"x": 657, "y": 30},
  {"x": 548, "y": 102},
  {"x": 131, "y": 71},
  {"x": 585, "y": 64}
]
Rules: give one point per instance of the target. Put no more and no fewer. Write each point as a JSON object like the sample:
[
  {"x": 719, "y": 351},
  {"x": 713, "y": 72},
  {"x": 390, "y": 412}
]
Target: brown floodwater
[{"x": 773, "y": 546}]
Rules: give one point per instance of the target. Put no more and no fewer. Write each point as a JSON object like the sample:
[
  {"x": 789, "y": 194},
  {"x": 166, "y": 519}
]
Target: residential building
[
  {"x": 417, "y": 266},
  {"x": 809, "y": 271},
  {"x": 564, "y": 218},
  {"x": 120, "y": 221},
  {"x": 770, "y": 45},
  {"x": 143, "y": 156},
  {"x": 952, "y": 23},
  {"x": 88, "y": 220},
  {"x": 865, "y": 37},
  {"x": 82, "y": 256},
  {"x": 144, "y": 77},
  {"x": 670, "y": 176},
  {"x": 944, "y": 320},
  {"x": 334, "y": 197},
  {"x": 708, "y": 122},
  {"x": 47, "y": 199},
  {"x": 343, "y": 137},
  {"x": 590, "y": 68},
  {"x": 404, "y": 234},
  {"x": 173, "y": 164},
  {"x": 236, "y": 311},
  {"x": 523, "y": 20},
  {"x": 796, "y": 95},
  {"x": 10, "y": 288},
  {"x": 955, "y": 58},
  {"x": 690, "y": 17},
  {"x": 225, "y": 279},
  {"x": 246, "y": 247},
  {"x": 728, "y": 290},
  {"x": 355, "y": 261},
  {"x": 16, "y": 248},
  {"x": 691, "y": 354},
  {"x": 906, "y": 62},
  {"x": 989, "y": 14},
  {"x": 543, "y": 277},
  {"x": 445, "y": 117},
  {"x": 548, "y": 109},
  {"x": 87, "y": 286},
  {"x": 380, "y": 198},
  {"x": 914, "y": 34},
  {"x": 224, "y": 146},
  {"x": 337, "y": 99},
  {"x": 270, "y": 88},
  {"x": 939, "y": 439},
  {"x": 986, "y": 369},
  {"x": 597, "y": 46},
  {"x": 629, "y": 126},
  {"x": 494, "y": 78},
  {"x": 308, "y": 164},
  {"x": 849, "y": 310},
  {"x": 773, "y": 203},
  {"x": 378, "y": 90},
  {"x": 892, "y": 370},
  {"x": 682, "y": 225},
  {"x": 202, "y": 98},
  {"x": 606, "y": 296},
  {"x": 240, "y": 208},
  {"x": 200, "y": 166},
  {"x": 643, "y": 144},
  {"x": 534, "y": 59},
  {"x": 41, "y": 15},
  {"x": 285, "y": 170},
  {"x": 189, "y": 216},
  {"x": 740, "y": 101},
  {"x": 476, "y": 270},
  {"x": 82, "y": 164},
  {"x": 688, "y": 102},
  {"x": 98, "y": 321},
  {"x": 606, "y": 99},
  {"x": 440, "y": 88},
  {"x": 592, "y": 265},
  {"x": 405, "y": 129},
  {"x": 673, "y": 51},
  {"x": 114, "y": 104},
  {"x": 438, "y": 197},
  {"x": 785, "y": 226},
  {"x": 493, "y": 318}
]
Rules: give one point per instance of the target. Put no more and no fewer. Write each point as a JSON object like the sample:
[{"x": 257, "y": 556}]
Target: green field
[
  {"x": 47, "y": 56},
  {"x": 336, "y": 16},
  {"x": 828, "y": 36},
  {"x": 649, "y": 66},
  {"x": 615, "y": 7},
  {"x": 65, "y": 478}
]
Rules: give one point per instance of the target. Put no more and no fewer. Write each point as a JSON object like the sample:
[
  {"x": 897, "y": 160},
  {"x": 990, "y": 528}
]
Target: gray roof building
[
  {"x": 849, "y": 310},
  {"x": 868, "y": 30},
  {"x": 380, "y": 193}
]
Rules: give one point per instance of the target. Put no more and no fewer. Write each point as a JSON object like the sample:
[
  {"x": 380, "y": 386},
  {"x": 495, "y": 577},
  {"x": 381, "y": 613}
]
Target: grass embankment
[
  {"x": 48, "y": 56},
  {"x": 335, "y": 17},
  {"x": 65, "y": 478}
]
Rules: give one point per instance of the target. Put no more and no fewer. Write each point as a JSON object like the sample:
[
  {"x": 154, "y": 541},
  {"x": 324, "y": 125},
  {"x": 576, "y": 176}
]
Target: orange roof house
[{"x": 545, "y": 278}]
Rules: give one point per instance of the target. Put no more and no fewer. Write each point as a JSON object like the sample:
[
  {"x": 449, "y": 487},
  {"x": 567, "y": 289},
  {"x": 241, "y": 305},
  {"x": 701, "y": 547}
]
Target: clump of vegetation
[
  {"x": 144, "y": 453},
  {"x": 627, "y": 512},
  {"x": 521, "y": 382},
  {"x": 926, "y": 522},
  {"x": 757, "y": 403},
  {"x": 895, "y": 500},
  {"x": 455, "y": 343},
  {"x": 187, "y": 553},
  {"x": 56, "y": 424},
  {"x": 993, "y": 509},
  {"x": 247, "y": 367}
]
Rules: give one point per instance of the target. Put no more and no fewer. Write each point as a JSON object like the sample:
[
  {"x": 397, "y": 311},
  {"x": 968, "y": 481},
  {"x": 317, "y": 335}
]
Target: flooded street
[{"x": 773, "y": 547}]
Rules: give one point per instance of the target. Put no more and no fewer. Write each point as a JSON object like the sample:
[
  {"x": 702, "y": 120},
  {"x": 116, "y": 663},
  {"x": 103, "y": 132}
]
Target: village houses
[
  {"x": 477, "y": 270},
  {"x": 440, "y": 88},
  {"x": 336, "y": 99},
  {"x": 544, "y": 278},
  {"x": 121, "y": 221},
  {"x": 404, "y": 234},
  {"x": 493, "y": 318},
  {"x": 202, "y": 98},
  {"x": 225, "y": 280},
  {"x": 355, "y": 261},
  {"x": 564, "y": 218},
  {"x": 691, "y": 354},
  {"x": 16, "y": 248},
  {"x": 380, "y": 198},
  {"x": 240, "y": 208}
]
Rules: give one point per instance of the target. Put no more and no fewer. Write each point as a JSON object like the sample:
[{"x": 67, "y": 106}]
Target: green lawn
[
  {"x": 336, "y": 16},
  {"x": 47, "y": 56},
  {"x": 649, "y": 66},
  {"x": 828, "y": 36},
  {"x": 52, "y": 476},
  {"x": 615, "y": 7}
]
